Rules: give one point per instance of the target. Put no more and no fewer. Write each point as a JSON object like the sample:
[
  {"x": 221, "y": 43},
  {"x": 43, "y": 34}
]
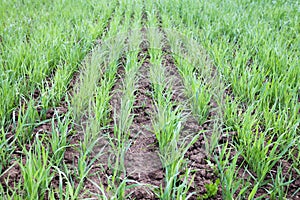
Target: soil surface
[{"x": 142, "y": 159}]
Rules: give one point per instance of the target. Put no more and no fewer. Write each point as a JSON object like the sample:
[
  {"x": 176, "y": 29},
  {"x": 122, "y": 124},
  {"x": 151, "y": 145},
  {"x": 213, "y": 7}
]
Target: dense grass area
[
  {"x": 254, "y": 45},
  {"x": 43, "y": 39},
  {"x": 69, "y": 82}
]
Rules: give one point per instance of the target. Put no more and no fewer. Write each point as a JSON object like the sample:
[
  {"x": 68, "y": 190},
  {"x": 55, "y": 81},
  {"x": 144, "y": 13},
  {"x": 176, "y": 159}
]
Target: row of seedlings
[{"x": 167, "y": 123}]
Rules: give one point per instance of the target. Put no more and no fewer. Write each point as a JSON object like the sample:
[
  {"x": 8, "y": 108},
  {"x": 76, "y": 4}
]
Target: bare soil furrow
[{"x": 142, "y": 160}]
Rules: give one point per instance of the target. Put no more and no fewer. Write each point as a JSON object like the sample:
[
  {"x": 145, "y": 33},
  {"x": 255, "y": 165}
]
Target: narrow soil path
[{"x": 142, "y": 160}]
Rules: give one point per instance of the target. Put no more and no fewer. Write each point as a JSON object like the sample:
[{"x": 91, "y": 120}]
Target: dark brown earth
[{"x": 142, "y": 160}]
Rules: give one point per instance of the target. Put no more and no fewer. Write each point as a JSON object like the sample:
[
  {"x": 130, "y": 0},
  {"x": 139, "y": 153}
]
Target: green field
[{"x": 137, "y": 99}]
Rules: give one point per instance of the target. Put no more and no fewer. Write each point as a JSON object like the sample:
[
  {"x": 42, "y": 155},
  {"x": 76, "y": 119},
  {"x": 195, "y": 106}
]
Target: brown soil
[{"x": 142, "y": 160}]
